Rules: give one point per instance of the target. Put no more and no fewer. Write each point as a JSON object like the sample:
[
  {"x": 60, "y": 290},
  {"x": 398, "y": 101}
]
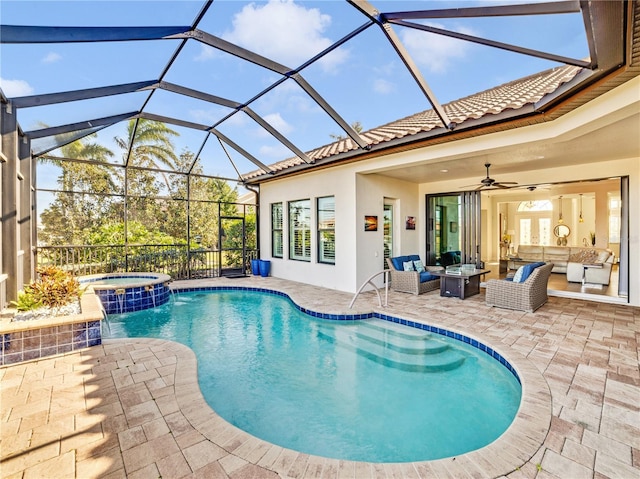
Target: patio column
[
  {"x": 10, "y": 232},
  {"x": 26, "y": 209}
]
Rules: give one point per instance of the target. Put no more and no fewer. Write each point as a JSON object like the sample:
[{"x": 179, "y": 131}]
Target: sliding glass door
[{"x": 453, "y": 228}]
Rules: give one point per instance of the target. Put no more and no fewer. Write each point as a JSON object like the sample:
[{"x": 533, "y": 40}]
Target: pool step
[
  {"x": 418, "y": 342},
  {"x": 427, "y": 355},
  {"x": 409, "y": 342}
]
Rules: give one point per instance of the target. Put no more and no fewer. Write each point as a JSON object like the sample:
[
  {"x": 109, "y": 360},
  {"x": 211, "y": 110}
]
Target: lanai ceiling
[{"x": 193, "y": 71}]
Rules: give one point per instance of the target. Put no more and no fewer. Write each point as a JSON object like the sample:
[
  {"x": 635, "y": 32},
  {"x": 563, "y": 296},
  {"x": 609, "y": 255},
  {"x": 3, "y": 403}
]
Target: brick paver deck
[{"x": 132, "y": 408}]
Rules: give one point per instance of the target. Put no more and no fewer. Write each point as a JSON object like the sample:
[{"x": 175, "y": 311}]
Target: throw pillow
[
  {"x": 518, "y": 276},
  {"x": 527, "y": 269},
  {"x": 418, "y": 266},
  {"x": 407, "y": 265},
  {"x": 603, "y": 256}
]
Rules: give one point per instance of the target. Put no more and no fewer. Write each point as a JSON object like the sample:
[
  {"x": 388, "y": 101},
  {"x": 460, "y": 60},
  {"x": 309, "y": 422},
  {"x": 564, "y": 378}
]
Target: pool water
[{"x": 366, "y": 390}]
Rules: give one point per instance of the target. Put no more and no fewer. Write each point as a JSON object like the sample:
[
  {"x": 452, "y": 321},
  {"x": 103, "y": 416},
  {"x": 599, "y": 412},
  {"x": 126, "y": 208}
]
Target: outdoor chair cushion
[{"x": 427, "y": 276}]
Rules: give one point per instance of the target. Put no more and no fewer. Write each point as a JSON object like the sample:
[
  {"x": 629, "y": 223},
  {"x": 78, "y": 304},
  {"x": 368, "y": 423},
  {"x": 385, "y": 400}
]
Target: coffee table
[{"x": 460, "y": 285}]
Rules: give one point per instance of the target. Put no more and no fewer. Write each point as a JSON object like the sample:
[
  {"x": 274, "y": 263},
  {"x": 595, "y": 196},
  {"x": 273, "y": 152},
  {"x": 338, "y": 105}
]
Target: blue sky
[{"x": 364, "y": 80}]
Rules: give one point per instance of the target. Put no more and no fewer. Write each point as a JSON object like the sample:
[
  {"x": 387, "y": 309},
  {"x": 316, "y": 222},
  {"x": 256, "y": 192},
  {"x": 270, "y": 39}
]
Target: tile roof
[{"x": 509, "y": 96}]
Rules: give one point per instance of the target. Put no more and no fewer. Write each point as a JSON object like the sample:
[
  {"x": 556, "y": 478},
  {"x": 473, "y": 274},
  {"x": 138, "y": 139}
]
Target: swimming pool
[{"x": 335, "y": 395}]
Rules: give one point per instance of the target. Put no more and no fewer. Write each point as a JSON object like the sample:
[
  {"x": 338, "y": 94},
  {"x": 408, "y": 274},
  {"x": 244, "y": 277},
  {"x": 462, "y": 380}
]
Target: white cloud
[
  {"x": 13, "y": 88},
  {"x": 383, "y": 86},
  {"x": 285, "y": 32},
  {"x": 279, "y": 123},
  {"x": 51, "y": 57},
  {"x": 436, "y": 52}
]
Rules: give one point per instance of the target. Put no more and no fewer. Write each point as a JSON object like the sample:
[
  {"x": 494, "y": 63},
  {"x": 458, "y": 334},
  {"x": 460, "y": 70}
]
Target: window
[
  {"x": 525, "y": 231},
  {"x": 300, "y": 230},
  {"x": 544, "y": 231},
  {"x": 327, "y": 230},
  {"x": 276, "y": 230},
  {"x": 535, "y": 205}
]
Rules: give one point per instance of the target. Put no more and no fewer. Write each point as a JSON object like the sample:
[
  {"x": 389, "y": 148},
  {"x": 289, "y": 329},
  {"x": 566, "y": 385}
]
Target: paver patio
[{"x": 132, "y": 408}]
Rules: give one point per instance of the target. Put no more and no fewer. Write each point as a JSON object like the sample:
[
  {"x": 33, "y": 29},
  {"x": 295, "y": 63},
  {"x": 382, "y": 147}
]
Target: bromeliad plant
[{"x": 54, "y": 288}]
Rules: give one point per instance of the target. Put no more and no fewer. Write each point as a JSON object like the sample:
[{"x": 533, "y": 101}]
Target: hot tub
[{"x": 126, "y": 292}]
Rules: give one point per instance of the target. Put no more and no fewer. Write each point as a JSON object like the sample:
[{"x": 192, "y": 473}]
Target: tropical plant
[{"x": 54, "y": 288}]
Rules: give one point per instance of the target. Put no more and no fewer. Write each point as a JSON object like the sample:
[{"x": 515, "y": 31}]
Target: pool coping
[
  {"x": 143, "y": 279},
  {"x": 515, "y": 447}
]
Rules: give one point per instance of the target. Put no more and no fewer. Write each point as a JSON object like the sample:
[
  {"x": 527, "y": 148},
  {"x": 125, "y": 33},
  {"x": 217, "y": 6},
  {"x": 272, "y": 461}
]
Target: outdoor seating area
[{"x": 410, "y": 275}]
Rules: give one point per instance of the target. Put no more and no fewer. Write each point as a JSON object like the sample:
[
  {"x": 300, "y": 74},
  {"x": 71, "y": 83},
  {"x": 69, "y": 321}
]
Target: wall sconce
[
  {"x": 581, "y": 219},
  {"x": 560, "y": 219}
]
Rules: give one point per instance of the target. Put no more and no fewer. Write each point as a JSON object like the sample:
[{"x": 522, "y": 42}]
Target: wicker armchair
[
  {"x": 526, "y": 296},
  {"x": 409, "y": 281}
]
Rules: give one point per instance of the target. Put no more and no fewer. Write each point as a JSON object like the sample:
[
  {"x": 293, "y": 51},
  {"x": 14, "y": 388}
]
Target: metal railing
[
  {"x": 370, "y": 282},
  {"x": 176, "y": 260}
]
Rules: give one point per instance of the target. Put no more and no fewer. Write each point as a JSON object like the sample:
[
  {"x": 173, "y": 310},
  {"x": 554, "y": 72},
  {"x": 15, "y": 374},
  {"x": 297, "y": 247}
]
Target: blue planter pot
[
  {"x": 265, "y": 267},
  {"x": 255, "y": 267}
]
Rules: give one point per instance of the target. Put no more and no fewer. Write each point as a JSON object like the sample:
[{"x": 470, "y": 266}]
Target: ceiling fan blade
[
  {"x": 508, "y": 182},
  {"x": 479, "y": 188},
  {"x": 501, "y": 185}
]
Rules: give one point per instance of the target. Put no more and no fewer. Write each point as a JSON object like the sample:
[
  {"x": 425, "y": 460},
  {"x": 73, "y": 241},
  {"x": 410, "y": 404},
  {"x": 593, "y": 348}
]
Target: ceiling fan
[{"x": 490, "y": 182}]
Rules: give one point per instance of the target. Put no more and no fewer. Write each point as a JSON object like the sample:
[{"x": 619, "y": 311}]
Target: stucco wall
[
  {"x": 359, "y": 253},
  {"x": 334, "y": 182},
  {"x": 372, "y": 191}
]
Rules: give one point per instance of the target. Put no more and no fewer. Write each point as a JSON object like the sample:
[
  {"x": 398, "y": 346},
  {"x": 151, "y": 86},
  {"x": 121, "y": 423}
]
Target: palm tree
[{"x": 152, "y": 145}]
